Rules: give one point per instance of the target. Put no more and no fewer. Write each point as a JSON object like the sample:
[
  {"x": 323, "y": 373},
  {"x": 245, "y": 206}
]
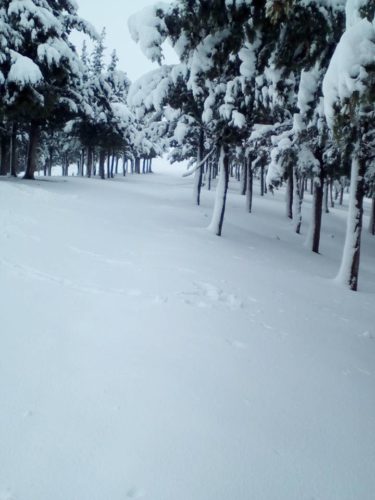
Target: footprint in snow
[{"x": 207, "y": 295}]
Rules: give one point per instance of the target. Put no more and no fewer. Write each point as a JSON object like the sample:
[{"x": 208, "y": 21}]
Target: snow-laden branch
[{"x": 196, "y": 167}]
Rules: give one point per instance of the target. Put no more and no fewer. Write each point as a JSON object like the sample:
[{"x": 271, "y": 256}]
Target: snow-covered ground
[{"x": 143, "y": 357}]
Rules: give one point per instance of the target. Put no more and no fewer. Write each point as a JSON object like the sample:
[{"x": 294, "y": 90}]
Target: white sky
[{"x": 113, "y": 15}]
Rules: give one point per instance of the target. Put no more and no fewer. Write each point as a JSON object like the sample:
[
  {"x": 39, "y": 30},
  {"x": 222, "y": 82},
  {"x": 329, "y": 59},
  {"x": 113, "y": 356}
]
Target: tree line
[
  {"x": 59, "y": 107},
  {"x": 281, "y": 90}
]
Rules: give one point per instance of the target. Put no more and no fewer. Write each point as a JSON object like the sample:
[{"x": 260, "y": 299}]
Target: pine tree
[
  {"x": 350, "y": 106},
  {"x": 43, "y": 73}
]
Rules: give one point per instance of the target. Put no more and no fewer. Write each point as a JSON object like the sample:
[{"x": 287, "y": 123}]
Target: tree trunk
[
  {"x": 32, "y": 153},
  {"x": 313, "y": 240},
  {"x": 249, "y": 189},
  {"x": 89, "y": 162},
  {"x": 83, "y": 159},
  {"x": 4, "y": 163},
  {"x": 262, "y": 180},
  {"x": 372, "y": 216},
  {"x": 341, "y": 201},
  {"x": 209, "y": 175},
  {"x": 137, "y": 166},
  {"x": 198, "y": 176},
  {"x": 331, "y": 193},
  {"x": 325, "y": 197},
  {"x": 113, "y": 166},
  {"x": 108, "y": 165},
  {"x": 289, "y": 195},
  {"x": 216, "y": 225},
  {"x": 349, "y": 269},
  {"x": 244, "y": 178},
  {"x": 298, "y": 200},
  {"x": 102, "y": 164},
  {"x": 13, "y": 152}
]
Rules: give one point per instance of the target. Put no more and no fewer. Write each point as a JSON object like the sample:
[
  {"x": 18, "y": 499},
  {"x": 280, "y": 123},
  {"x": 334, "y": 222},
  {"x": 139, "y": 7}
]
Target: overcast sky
[{"x": 113, "y": 15}]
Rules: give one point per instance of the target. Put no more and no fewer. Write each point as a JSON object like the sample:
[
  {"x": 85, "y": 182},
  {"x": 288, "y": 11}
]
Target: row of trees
[
  {"x": 58, "y": 107},
  {"x": 258, "y": 86}
]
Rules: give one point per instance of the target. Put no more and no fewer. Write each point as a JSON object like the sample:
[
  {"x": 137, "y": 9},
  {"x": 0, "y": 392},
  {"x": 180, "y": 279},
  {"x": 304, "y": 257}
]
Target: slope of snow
[{"x": 143, "y": 357}]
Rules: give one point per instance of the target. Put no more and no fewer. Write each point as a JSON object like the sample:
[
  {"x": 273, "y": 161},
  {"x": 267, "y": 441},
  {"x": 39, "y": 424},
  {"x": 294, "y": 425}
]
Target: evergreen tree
[{"x": 350, "y": 106}]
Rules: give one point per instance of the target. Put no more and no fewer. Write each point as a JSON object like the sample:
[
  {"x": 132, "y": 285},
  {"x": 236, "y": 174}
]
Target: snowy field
[{"x": 143, "y": 357}]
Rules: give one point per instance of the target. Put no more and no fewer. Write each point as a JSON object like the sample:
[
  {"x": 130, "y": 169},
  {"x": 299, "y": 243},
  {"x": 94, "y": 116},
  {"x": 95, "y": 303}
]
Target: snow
[
  {"x": 143, "y": 357},
  {"x": 28, "y": 12},
  {"x": 307, "y": 88},
  {"x": 352, "y": 11},
  {"x": 148, "y": 28},
  {"x": 24, "y": 71},
  {"x": 347, "y": 73}
]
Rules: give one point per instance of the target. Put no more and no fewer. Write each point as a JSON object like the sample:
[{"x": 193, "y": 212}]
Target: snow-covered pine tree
[
  {"x": 212, "y": 38},
  {"x": 44, "y": 70},
  {"x": 299, "y": 56},
  {"x": 350, "y": 107}
]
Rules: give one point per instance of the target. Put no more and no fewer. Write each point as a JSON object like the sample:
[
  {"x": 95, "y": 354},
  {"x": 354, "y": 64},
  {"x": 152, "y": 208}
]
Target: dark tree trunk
[
  {"x": 249, "y": 187},
  {"x": 13, "y": 152},
  {"x": 262, "y": 180},
  {"x": 89, "y": 162},
  {"x": 83, "y": 159},
  {"x": 325, "y": 196},
  {"x": 341, "y": 194},
  {"x": 117, "y": 162},
  {"x": 108, "y": 165},
  {"x": 102, "y": 164},
  {"x": 289, "y": 194},
  {"x": 32, "y": 153},
  {"x": 221, "y": 193},
  {"x": 209, "y": 175},
  {"x": 244, "y": 178},
  {"x": 112, "y": 166},
  {"x": 317, "y": 213},
  {"x": 4, "y": 163},
  {"x": 198, "y": 176}
]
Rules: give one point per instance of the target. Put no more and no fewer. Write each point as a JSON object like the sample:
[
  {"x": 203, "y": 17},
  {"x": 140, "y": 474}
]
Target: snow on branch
[
  {"x": 24, "y": 71},
  {"x": 148, "y": 28},
  {"x": 347, "y": 73},
  {"x": 199, "y": 165}
]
